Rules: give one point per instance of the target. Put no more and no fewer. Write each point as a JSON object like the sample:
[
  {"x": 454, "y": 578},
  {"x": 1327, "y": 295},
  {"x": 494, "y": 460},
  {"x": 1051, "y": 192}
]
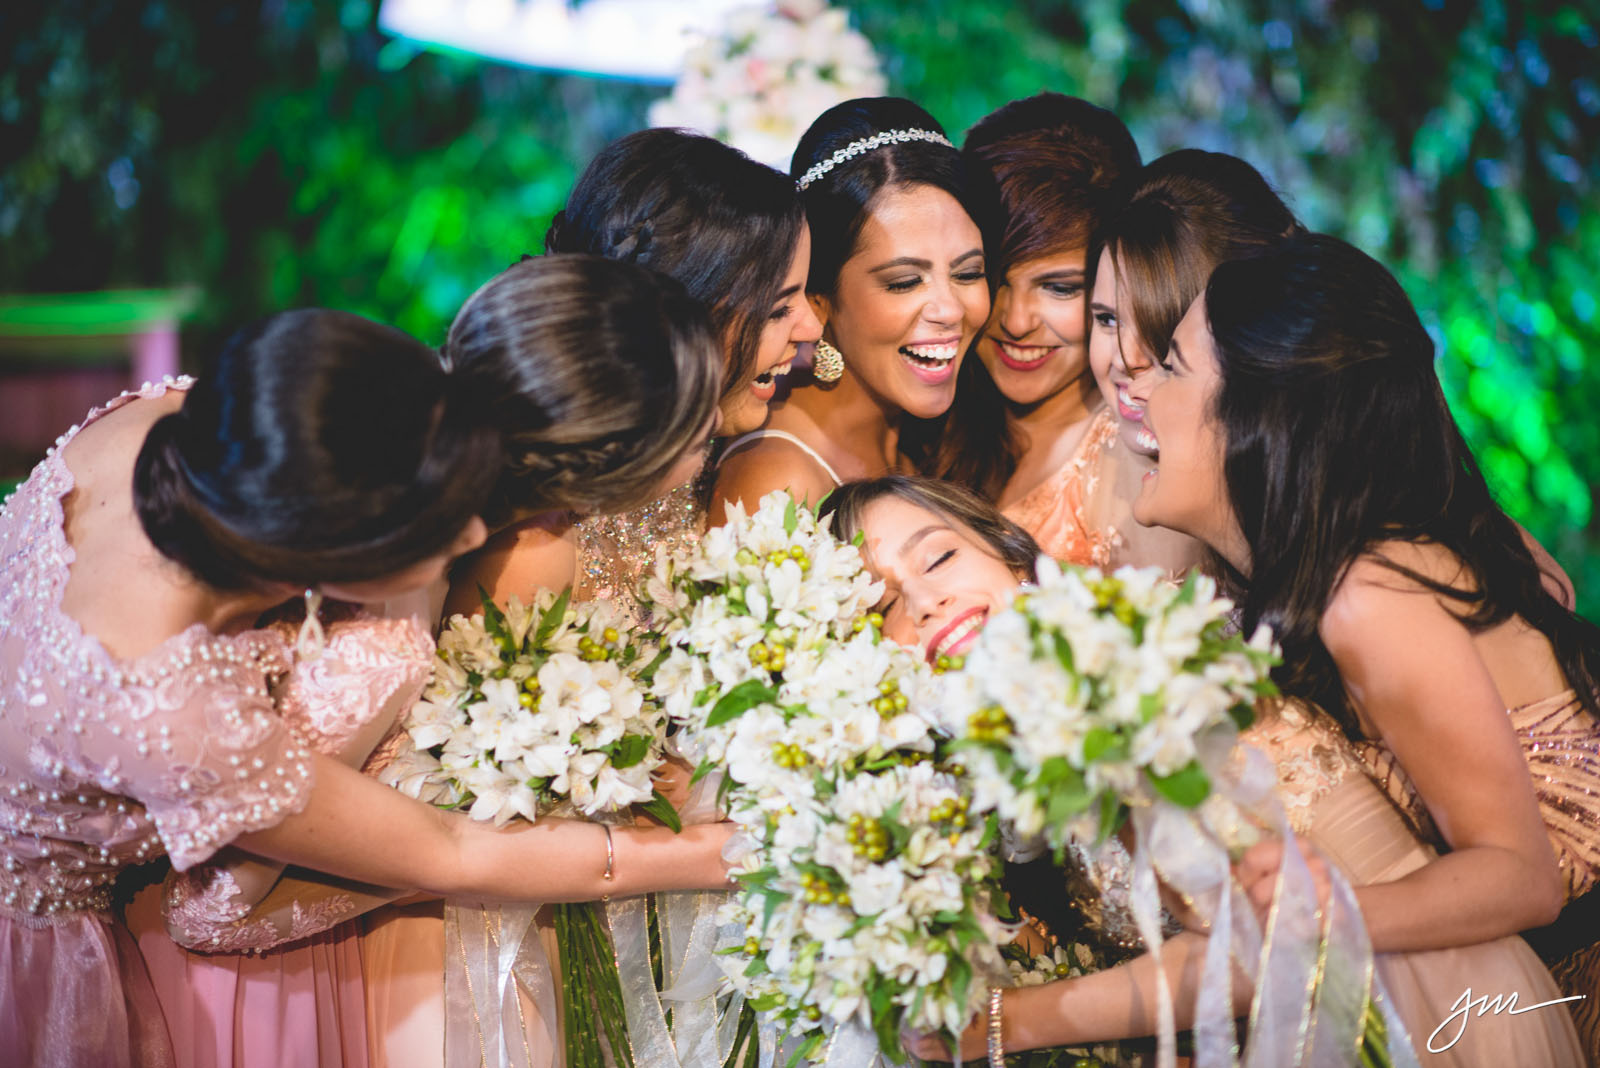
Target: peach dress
[
  {"x": 1331, "y": 800},
  {"x": 1561, "y": 741}
]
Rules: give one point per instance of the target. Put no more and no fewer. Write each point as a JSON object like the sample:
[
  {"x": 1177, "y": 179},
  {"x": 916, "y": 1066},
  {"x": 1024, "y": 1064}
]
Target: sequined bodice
[
  {"x": 1311, "y": 754},
  {"x": 1561, "y": 742},
  {"x": 107, "y": 762},
  {"x": 616, "y": 551}
]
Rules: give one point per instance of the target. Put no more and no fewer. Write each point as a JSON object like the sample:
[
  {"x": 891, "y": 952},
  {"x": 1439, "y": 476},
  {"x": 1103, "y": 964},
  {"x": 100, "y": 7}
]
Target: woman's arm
[
  {"x": 355, "y": 828},
  {"x": 1414, "y": 675},
  {"x": 1104, "y": 1006}
]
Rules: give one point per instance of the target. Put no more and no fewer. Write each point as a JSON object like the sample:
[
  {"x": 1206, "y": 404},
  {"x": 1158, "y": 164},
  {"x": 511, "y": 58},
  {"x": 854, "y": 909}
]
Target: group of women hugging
[{"x": 218, "y": 595}]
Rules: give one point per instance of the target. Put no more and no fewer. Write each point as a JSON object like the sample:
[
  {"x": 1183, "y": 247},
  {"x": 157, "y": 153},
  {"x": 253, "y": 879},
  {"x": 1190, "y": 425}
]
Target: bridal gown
[{"x": 107, "y": 763}]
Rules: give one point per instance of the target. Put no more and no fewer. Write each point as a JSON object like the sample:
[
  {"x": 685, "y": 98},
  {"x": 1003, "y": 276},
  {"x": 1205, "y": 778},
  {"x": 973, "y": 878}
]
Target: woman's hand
[
  {"x": 1257, "y": 873},
  {"x": 974, "y": 1043}
]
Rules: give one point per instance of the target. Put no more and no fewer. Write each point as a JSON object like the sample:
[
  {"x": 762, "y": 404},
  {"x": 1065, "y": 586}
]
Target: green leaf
[
  {"x": 1112, "y": 813},
  {"x": 629, "y": 750},
  {"x": 1064, "y": 653},
  {"x": 1188, "y": 786},
  {"x": 701, "y": 770},
  {"x": 552, "y": 618},
  {"x": 647, "y": 674},
  {"x": 766, "y": 1002},
  {"x": 739, "y": 700},
  {"x": 791, "y": 517},
  {"x": 494, "y": 621},
  {"x": 1100, "y": 742},
  {"x": 659, "y": 807}
]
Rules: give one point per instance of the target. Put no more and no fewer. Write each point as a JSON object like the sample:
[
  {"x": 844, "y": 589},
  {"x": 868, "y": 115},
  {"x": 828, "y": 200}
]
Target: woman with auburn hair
[
  {"x": 944, "y": 555},
  {"x": 897, "y": 276},
  {"x": 1029, "y": 428}
]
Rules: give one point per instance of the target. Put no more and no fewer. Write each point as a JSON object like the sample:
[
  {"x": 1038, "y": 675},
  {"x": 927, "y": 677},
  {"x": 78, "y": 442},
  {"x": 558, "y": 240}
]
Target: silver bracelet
[
  {"x": 611, "y": 860},
  {"x": 997, "y": 1047}
]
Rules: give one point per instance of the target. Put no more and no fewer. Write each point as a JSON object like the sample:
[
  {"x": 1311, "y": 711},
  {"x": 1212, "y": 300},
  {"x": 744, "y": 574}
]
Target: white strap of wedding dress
[{"x": 783, "y": 435}]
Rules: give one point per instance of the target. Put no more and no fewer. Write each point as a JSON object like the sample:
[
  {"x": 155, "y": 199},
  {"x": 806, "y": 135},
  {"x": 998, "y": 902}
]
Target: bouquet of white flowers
[
  {"x": 771, "y": 70},
  {"x": 867, "y": 899},
  {"x": 534, "y": 710},
  {"x": 1098, "y": 697},
  {"x": 1099, "y": 692}
]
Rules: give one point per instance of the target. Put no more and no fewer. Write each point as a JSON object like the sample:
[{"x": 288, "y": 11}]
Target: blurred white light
[{"x": 643, "y": 39}]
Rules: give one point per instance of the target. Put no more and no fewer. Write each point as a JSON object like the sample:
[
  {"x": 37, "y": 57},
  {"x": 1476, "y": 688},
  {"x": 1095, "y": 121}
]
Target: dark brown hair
[
  {"x": 600, "y": 375},
  {"x": 702, "y": 212},
  {"x": 317, "y": 446},
  {"x": 1338, "y": 438},
  {"x": 1187, "y": 212},
  {"x": 1014, "y": 546}
]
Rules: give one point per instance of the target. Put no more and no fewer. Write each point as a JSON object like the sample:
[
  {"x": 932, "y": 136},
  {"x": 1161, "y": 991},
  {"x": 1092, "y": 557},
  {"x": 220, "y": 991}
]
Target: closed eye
[{"x": 944, "y": 557}]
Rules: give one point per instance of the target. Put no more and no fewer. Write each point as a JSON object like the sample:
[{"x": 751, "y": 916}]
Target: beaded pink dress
[
  {"x": 105, "y": 763},
  {"x": 280, "y": 982}
]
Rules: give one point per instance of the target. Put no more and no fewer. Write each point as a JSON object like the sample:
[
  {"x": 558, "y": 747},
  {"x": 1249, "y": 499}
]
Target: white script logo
[{"x": 1485, "y": 1004}]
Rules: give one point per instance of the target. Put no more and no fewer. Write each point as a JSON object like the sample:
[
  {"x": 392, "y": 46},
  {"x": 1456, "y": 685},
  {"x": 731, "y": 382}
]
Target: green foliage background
[{"x": 284, "y": 152}]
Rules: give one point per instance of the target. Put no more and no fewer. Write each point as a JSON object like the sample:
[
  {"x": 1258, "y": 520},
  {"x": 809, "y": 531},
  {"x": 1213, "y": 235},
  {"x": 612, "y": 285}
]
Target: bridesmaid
[
  {"x": 943, "y": 553},
  {"x": 1029, "y": 428},
  {"x": 733, "y": 233},
  {"x": 139, "y": 726},
  {"x": 897, "y": 276},
  {"x": 554, "y": 336},
  {"x": 1303, "y": 436},
  {"x": 1185, "y": 213}
]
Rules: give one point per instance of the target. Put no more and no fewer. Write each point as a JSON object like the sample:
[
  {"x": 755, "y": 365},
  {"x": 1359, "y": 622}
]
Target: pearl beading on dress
[
  {"x": 107, "y": 763},
  {"x": 867, "y": 144}
]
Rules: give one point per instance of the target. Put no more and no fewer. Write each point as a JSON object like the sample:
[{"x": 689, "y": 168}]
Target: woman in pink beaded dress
[{"x": 320, "y": 450}]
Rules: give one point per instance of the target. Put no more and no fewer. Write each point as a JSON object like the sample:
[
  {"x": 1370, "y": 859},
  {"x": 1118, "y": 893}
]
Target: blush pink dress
[
  {"x": 281, "y": 983},
  {"x": 106, "y": 763}
]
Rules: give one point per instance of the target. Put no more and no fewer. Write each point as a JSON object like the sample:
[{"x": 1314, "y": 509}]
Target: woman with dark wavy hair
[
  {"x": 1302, "y": 434},
  {"x": 897, "y": 275}
]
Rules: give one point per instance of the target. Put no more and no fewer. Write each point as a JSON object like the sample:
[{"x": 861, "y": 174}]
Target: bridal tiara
[{"x": 867, "y": 144}]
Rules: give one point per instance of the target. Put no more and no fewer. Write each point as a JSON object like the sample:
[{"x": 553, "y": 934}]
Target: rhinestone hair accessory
[{"x": 867, "y": 144}]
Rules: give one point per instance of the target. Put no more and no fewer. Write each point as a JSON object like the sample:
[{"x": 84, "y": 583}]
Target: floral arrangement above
[
  {"x": 869, "y": 898},
  {"x": 534, "y": 710},
  {"x": 770, "y": 71}
]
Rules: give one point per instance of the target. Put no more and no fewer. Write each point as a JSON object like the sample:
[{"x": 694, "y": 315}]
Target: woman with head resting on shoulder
[
  {"x": 897, "y": 275},
  {"x": 944, "y": 556},
  {"x": 1182, "y": 215},
  {"x": 1302, "y": 435},
  {"x": 1029, "y": 429},
  {"x": 318, "y": 451},
  {"x": 733, "y": 233}
]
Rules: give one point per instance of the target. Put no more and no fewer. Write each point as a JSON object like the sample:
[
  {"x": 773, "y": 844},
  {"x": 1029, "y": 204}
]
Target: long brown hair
[
  {"x": 1014, "y": 546},
  {"x": 1046, "y": 172},
  {"x": 1187, "y": 212}
]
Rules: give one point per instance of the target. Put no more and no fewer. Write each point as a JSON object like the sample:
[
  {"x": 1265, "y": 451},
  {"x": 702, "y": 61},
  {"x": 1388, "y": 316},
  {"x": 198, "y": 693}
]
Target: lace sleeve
[
  {"x": 200, "y": 745},
  {"x": 341, "y": 703}
]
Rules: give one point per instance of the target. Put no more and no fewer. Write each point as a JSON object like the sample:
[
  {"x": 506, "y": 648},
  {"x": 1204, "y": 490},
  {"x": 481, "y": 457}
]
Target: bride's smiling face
[{"x": 941, "y": 581}]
